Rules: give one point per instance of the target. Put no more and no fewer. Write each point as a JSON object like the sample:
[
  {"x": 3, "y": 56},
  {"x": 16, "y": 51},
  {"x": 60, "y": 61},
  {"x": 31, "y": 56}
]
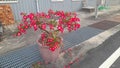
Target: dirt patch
[{"x": 115, "y": 18}]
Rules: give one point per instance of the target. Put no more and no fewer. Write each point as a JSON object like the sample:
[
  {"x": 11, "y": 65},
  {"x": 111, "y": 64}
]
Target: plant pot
[{"x": 48, "y": 55}]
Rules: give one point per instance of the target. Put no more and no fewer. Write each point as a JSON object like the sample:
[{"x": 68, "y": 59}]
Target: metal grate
[
  {"x": 105, "y": 24},
  {"x": 21, "y": 58},
  {"x": 76, "y": 37}
]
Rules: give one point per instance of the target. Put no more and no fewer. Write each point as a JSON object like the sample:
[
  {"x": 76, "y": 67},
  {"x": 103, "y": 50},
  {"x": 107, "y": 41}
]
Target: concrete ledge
[
  {"x": 88, "y": 9},
  {"x": 77, "y": 52}
]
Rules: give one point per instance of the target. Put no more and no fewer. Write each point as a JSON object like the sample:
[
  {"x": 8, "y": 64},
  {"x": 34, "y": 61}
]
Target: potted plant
[{"x": 52, "y": 25}]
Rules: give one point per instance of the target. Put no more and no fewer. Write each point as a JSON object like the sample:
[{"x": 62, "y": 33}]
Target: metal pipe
[
  {"x": 96, "y": 8},
  {"x": 37, "y": 5}
]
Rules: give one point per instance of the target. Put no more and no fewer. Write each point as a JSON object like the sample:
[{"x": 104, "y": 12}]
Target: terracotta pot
[{"x": 48, "y": 55}]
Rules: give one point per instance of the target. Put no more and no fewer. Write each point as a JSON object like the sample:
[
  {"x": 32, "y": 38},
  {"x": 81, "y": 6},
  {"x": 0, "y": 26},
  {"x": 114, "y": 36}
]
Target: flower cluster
[{"x": 51, "y": 24}]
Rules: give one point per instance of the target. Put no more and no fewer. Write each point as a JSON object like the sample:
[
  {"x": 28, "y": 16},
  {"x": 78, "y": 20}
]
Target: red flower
[
  {"x": 60, "y": 28},
  {"x": 50, "y": 40},
  {"x": 35, "y": 27},
  {"x": 31, "y": 16},
  {"x": 26, "y": 26},
  {"x": 25, "y": 17},
  {"x": 42, "y": 14},
  {"x": 43, "y": 26},
  {"x": 19, "y": 33},
  {"x": 43, "y": 35},
  {"x": 77, "y": 26},
  {"x": 22, "y": 30},
  {"x": 21, "y": 25},
  {"x": 47, "y": 16},
  {"x": 52, "y": 48},
  {"x": 74, "y": 19},
  {"x": 33, "y": 22}
]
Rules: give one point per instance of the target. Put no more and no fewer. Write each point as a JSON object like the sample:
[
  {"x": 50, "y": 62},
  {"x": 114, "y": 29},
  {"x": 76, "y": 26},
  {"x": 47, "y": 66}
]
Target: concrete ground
[{"x": 97, "y": 37}]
